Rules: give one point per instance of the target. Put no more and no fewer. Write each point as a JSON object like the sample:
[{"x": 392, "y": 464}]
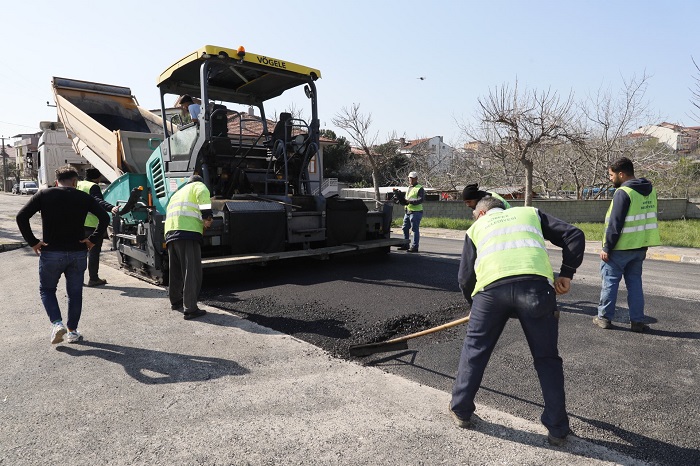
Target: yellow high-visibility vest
[
  {"x": 509, "y": 243},
  {"x": 641, "y": 228},
  {"x": 91, "y": 220},
  {"x": 413, "y": 194},
  {"x": 500, "y": 198},
  {"x": 184, "y": 211}
]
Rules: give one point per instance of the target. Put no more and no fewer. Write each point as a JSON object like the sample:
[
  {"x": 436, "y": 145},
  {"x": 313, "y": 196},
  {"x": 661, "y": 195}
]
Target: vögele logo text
[{"x": 272, "y": 62}]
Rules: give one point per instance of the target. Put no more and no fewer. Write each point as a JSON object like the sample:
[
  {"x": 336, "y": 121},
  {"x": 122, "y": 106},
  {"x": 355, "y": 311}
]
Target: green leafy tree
[{"x": 336, "y": 156}]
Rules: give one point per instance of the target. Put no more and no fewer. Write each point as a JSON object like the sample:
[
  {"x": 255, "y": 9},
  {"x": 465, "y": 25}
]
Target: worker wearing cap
[
  {"x": 189, "y": 107},
  {"x": 89, "y": 185},
  {"x": 187, "y": 215},
  {"x": 472, "y": 194},
  {"x": 413, "y": 212}
]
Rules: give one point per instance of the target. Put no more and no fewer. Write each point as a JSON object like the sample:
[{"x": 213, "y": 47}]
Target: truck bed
[{"x": 106, "y": 125}]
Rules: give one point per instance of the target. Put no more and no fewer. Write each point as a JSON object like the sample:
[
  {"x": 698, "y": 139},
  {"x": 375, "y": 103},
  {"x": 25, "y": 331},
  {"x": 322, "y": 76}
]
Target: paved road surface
[{"x": 147, "y": 387}]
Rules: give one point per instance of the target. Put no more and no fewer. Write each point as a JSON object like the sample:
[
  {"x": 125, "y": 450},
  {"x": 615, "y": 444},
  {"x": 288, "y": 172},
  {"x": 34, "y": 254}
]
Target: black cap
[
  {"x": 92, "y": 174},
  {"x": 471, "y": 192}
]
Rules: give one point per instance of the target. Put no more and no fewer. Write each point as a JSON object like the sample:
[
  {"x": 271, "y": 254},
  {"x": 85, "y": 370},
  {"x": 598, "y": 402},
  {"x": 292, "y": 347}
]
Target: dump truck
[{"x": 266, "y": 182}]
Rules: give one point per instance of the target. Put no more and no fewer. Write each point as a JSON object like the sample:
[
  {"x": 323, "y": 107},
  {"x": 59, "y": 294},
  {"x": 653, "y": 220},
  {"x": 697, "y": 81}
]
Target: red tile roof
[{"x": 251, "y": 126}]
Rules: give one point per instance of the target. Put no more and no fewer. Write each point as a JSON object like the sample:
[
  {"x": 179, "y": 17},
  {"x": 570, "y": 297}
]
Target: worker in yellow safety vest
[
  {"x": 631, "y": 226},
  {"x": 413, "y": 213},
  {"x": 505, "y": 271},
  {"x": 89, "y": 185},
  {"x": 187, "y": 215},
  {"x": 471, "y": 194}
]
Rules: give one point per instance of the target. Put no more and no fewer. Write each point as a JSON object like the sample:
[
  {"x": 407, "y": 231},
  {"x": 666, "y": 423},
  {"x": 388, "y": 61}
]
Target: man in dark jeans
[
  {"x": 63, "y": 248},
  {"x": 505, "y": 271}
]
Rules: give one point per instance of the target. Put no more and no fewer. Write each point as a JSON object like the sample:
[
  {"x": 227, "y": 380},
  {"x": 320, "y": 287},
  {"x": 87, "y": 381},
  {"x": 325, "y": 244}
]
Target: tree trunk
[
  {"x": 377, "y": 196},
  {"x": 528, "y": 182}
]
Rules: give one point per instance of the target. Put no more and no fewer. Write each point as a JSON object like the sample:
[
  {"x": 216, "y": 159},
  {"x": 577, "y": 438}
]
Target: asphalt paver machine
[{"x": 266, "y": 180}]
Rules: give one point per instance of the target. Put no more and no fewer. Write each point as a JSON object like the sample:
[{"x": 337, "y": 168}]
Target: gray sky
[{"x": 369, "y": 52}]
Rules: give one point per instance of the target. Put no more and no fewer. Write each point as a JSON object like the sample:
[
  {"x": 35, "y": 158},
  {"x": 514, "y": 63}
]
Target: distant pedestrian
[
  {"x": 631, "y": 226},
  {"x": 413, "y": 212},
  {"x": 471, "y": 194},
  {"x": 504, "y": 271},
  {"x": 187, "y": 215},
  {"x": 63, "y": 248},
  {"x": 90, "y": 186}
]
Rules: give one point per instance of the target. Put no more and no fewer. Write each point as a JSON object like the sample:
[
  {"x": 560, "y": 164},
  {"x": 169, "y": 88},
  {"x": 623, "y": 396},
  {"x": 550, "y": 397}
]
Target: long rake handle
[{"x": 428, "y": 331}]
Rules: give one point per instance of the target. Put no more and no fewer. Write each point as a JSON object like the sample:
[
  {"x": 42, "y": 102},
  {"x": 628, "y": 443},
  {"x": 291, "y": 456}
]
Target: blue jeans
[
  {"x": 620, "y": 264},
  {"x": 534, "y": 303},
  {"x": 53, "y": 264},
  {"x": 411, "y": 221}
]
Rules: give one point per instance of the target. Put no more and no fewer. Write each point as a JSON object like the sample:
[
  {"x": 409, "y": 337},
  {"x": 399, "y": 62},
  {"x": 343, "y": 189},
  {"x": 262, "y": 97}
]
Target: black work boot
[{"x": 639, "y": 327}]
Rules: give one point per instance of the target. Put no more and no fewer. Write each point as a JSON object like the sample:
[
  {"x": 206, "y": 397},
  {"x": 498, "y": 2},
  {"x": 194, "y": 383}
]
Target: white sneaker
[
  {"x": 57, "y": 332},
  {"x": 73, "y": 336}
]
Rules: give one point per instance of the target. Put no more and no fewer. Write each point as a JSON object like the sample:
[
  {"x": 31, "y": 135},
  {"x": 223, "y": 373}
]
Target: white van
[{"x": 28, "y": 187}]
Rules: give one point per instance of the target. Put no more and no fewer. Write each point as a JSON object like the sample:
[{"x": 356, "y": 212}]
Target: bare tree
[
  {"x": 516, "y": 124},
  {"x": 608, "y": 120},
  {"x": 358, "y": 127},
  {"x": 695, "y": 100}
]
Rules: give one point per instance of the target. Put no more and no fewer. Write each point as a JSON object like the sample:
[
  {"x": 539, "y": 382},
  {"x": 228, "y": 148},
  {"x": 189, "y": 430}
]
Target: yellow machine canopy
[{"x": 234, "y": 75}]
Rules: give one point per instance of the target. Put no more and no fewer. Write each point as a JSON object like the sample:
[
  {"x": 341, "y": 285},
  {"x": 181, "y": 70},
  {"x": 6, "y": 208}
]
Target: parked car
[{"x": 28, "y": 187}]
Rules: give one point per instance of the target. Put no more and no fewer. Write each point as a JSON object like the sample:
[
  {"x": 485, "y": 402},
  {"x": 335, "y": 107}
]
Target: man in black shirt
[{"x": 63, "y": 248}]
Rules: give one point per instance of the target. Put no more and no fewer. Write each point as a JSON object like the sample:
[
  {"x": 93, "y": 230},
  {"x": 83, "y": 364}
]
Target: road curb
[{"x": 659, "y": 253}]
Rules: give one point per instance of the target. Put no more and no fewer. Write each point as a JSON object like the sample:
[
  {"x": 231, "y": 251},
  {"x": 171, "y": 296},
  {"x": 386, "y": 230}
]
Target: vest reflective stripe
[
  {"x": 500, "y": 198},
  {"x": 512, "y": 229},
  {"x": 91, "y": 220},
  {"x": 413, "y": 194},
  {"x": 520, "y": 243},
  {"x": 640, "y": 228},
  {"x": 184, "y": 212},
  {"x": 509, "y": 243},
  {"x": 632, "y": 218}
]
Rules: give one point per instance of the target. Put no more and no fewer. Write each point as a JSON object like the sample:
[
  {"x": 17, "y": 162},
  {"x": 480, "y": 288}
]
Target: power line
[{"x": 15, "y": 124}]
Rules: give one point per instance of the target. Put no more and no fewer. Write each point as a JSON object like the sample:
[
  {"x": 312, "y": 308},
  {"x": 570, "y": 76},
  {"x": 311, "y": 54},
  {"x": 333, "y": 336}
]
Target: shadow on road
[
  {"x": 156, "y": 367},
  {"x": 621, "y": 322},
  {"x": 630, "y": 443}
]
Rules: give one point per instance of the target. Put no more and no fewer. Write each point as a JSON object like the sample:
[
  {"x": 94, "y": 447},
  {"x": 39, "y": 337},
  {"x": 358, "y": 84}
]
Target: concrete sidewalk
[{"x": 147, "y": 387}]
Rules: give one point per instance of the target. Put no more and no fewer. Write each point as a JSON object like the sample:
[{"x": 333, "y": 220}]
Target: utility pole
[{"x": 4, "y": 164}]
